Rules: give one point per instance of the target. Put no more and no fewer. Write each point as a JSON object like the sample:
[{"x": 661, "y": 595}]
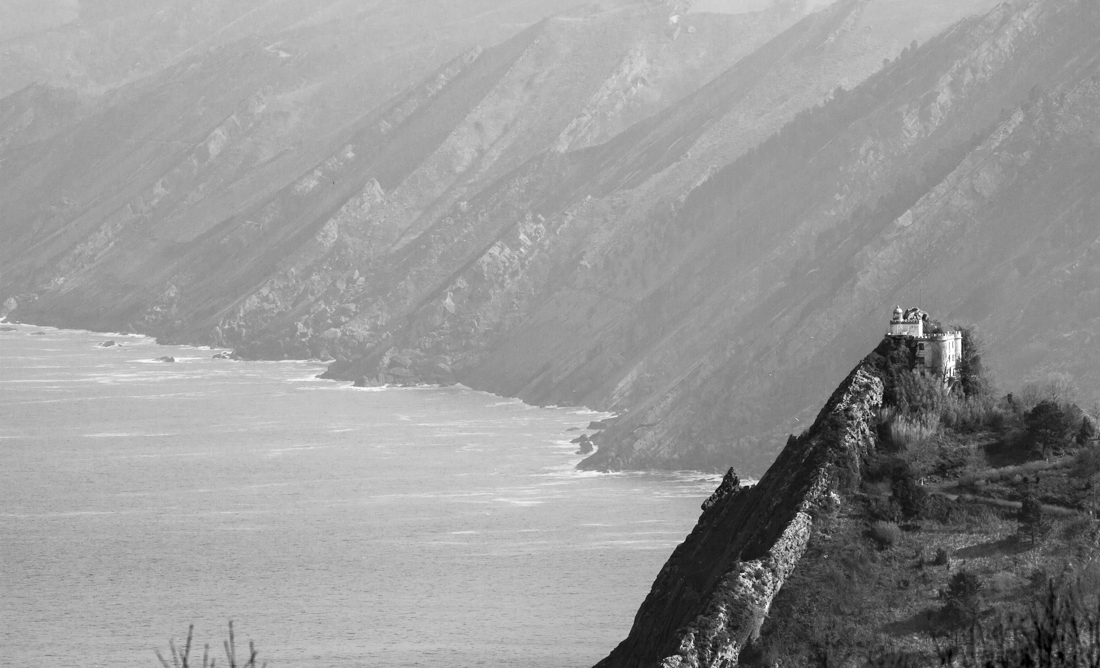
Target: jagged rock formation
[
  {"x": 713, "y": 594},
  {"x": 693, "y": 222}
]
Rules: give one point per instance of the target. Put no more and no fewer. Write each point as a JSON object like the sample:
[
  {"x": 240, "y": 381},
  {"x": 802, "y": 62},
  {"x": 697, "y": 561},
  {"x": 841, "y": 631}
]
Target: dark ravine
[{"x": 713, "y": 594}]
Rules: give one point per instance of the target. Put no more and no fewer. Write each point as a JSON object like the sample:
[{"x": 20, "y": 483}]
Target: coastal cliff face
[
  {"x": 695, "y": 220},
  {"x": 713, "y": 594}
]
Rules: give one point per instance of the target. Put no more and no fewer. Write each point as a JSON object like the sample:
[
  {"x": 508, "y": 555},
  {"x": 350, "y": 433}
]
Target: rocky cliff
[{"x": 713, "y": 594}]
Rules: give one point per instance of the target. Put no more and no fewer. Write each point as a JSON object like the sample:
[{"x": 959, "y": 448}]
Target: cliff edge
[{"x": 713, "y": 594}]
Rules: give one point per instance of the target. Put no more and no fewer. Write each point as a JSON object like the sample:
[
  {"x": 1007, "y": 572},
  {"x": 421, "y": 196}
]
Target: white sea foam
[
  {"x": 167, "y": 455},
  {"x": 27, "y": 381},
  {"x": 274, "y": 452},
  {"x": 112, "y": 435},
  {"x": 520, "y": 502}
]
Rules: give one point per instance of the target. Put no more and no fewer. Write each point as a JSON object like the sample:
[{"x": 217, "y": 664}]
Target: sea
[{"x": 335, "y": 526}]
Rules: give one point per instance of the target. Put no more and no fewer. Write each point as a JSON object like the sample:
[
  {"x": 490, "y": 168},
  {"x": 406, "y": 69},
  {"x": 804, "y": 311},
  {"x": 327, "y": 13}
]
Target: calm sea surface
[{"x": 336, "y": 526}]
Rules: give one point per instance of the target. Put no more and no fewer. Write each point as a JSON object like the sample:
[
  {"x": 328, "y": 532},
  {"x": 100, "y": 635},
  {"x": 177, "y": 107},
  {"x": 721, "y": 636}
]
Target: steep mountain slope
[
  {"x": 626, "y": 205},
  {"x": 697, "y": 325},
  {"x": 560, "y": 205},
  {"x": 93, "y": 45},
  {"x": 846, "y": 209},
  {"x": 575, "y": 77}
]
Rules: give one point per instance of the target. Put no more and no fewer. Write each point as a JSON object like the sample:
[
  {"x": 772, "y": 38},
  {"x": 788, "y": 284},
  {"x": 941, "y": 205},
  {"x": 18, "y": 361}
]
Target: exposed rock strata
[{"x": 713, "y": 594}]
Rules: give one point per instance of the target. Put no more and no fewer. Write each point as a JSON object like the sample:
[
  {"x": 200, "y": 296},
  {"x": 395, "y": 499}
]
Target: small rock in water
[
  {"x": 38, "y": 333},
  {"x": 223, "y": 355},
  {"x": 166, "y": 358},
  {"x": 8, "y": 329},
  {"x": 586, "y": 447},
  {"x": 107, "y": 344},
  {"x": 581, "y": 439},
  {"x": 573, "y": 429},
  {"x": 598, "y": 424}
]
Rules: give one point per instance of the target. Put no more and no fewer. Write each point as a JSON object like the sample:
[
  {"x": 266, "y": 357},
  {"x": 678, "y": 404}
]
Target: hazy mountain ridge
[
  {"x": 622, "y": 22},
  {"x": 583, "y": 213},
  {"x": 615, "y": 173},
  {"x": 813, "y": 317}
]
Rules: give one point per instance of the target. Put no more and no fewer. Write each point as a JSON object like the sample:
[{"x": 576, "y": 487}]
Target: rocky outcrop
[{"x": 713, "y": 594}]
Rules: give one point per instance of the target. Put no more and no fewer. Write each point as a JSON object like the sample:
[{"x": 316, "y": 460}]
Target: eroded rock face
[{"x": 712, "y": 596}]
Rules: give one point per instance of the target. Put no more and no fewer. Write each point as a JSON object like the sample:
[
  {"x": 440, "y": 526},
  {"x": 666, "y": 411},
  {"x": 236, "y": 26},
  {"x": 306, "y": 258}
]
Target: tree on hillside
[
  {"x": 1030, "y": 516},
  {"x": 1047, "y": 428},
  {"x": 963, "y": 599},
  {"x": 1059, "y": 388},
  {"x": 972, "y": 375},
  {"x": 1087, "y": 433}
]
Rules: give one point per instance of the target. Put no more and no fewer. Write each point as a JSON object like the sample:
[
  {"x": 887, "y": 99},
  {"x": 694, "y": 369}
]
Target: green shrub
[
  {"x": 1061, "y": 630},
  {"x": 906, "y": 493},
  {"x": 949, "y": 417},
  {"x": 962, "y": 599},
  {"x": 940, "y": 509},
  {"x": 973, "y": 413},
  {"x": 1087, "y": 462},
  {"x": 1076, "y": 529},
  {"x": 886, "y": 534},
  {"x": 952, "y": 460},
  {"x": 941, "y": 557},
  {"x": 1087, "y": 432},
  {"x": 883, "y": 508},
  {"x": 1030, "y": 516},
  {"x": 1048, "y": 428},
  {"x": 920, "y": 394},
  {"x": 904, "y": 432}
]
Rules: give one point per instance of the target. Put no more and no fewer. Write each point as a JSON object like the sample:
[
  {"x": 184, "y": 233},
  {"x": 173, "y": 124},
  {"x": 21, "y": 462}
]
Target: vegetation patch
[{"x": 969, "y": 537}]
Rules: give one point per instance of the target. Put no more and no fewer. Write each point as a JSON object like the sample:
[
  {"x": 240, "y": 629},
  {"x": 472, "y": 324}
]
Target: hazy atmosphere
[{"x": 421, "y": 333}]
